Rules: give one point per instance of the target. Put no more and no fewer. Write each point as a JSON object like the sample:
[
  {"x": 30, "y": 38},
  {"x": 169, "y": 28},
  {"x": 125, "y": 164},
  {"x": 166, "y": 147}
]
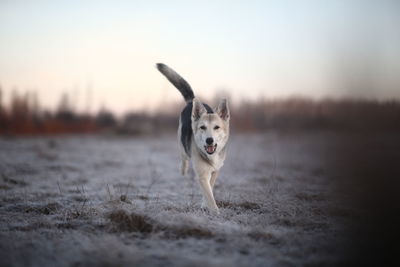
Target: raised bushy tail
[{"x": 180, "y": 83}]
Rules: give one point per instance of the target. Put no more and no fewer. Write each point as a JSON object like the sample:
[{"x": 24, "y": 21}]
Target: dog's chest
[
  {"x": 215, "y": 162},
  {"x": 218, "y": 163}
]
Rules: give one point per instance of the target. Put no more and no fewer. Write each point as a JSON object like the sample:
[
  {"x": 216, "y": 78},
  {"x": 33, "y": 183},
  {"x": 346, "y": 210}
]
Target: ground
[{"x": 120, "y": 201}]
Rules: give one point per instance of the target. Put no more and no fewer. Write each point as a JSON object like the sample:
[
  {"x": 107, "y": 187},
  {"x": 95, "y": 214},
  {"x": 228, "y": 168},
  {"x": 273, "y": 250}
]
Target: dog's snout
[{"x": 209, "y": 141}]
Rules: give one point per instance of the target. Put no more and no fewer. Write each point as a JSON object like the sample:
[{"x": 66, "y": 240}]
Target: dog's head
[{"x": 210, "y": 130}]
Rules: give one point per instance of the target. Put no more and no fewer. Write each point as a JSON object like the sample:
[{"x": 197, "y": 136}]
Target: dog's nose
[{"x": 209, "y": 141}]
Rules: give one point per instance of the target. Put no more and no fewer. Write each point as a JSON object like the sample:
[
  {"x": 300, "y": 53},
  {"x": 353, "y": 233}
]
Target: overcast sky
[{"x": 106, "y": 50}]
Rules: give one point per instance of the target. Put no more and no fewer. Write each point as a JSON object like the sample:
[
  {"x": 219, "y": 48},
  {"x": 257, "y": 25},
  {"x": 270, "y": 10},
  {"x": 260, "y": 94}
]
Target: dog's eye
[
  {"x": 216, "y": 127},
  {"x": 203, "y": 127}
]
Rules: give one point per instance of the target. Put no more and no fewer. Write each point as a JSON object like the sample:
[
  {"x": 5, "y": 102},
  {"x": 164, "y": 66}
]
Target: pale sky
[{"x": 107, "y": 49}]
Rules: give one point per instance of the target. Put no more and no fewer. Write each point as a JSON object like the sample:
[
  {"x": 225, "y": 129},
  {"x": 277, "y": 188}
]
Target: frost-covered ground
[{"x": 112, "y": 201}]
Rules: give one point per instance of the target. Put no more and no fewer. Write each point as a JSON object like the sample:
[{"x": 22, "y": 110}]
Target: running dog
[{"x": 202, "y": 135}]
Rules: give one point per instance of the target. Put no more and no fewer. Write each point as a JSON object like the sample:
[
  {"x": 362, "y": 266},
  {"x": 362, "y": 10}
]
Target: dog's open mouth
[{"x": 210, "y": 149}]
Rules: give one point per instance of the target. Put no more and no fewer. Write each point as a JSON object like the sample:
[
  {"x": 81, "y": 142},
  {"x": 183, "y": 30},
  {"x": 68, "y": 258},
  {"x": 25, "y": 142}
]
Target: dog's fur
[{"x": 202, "y": 134}]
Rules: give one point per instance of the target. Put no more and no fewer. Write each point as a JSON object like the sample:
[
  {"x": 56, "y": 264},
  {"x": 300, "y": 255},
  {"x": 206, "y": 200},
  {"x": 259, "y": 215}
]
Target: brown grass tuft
[
  {"x": 264, "y": 237},
  {"x": 186, "y": 232},
  {"x": 12, "y": 181},
  {"x": 131, "y": 222},
  {"x": 142, "y": 224},
  {"x": 246, "y": 205},
  {"x": 46, "y": 209}
]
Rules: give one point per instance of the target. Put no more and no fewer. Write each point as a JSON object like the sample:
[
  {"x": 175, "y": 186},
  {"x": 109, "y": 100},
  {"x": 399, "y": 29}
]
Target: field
[{"x": 120, "y": 201}]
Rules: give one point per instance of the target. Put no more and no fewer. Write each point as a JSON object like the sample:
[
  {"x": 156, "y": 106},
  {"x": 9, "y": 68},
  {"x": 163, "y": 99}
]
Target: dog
[{"x": 202, "y": 136}]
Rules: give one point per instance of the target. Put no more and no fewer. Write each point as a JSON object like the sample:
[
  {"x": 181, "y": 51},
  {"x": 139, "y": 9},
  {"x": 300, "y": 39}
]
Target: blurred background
[
  {"x": 330, "y": 69},
  {"x": 81, "y": 67}
]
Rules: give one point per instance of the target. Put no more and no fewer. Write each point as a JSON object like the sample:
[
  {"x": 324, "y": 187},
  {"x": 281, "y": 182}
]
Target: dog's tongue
[{"x": 210, "y": 149}]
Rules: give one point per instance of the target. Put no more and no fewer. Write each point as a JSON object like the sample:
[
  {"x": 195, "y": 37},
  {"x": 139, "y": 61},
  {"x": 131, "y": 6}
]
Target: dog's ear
[
  {"x": 198, "y": 110},
  {"x": 223, "y": 110}
]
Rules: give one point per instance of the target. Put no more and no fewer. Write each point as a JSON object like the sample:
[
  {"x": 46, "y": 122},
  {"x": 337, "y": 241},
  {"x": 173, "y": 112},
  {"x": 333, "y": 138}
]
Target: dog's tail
[{"x": 180, "y": 83}]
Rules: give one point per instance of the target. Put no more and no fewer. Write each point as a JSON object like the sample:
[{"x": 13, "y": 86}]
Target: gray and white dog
[{"x": 202, "y": 134}]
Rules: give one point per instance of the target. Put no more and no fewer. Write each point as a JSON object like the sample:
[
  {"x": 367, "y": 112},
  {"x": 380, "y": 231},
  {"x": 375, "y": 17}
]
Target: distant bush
[
  {"x": 24, "y": 116},
  {"x": 307, "y": 114}
]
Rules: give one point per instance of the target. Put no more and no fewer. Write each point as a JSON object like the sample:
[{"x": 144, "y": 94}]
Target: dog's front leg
[
  {"x": 214, "y": 176},
  {"x": 204, "y": 181},
  {"x": 184, "y": 166}
]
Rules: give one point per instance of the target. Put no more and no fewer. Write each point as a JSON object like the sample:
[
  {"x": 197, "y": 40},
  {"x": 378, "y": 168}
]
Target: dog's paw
[
  {"x": 216, "y": 211},
  {"x": 212, "y": 209}
]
